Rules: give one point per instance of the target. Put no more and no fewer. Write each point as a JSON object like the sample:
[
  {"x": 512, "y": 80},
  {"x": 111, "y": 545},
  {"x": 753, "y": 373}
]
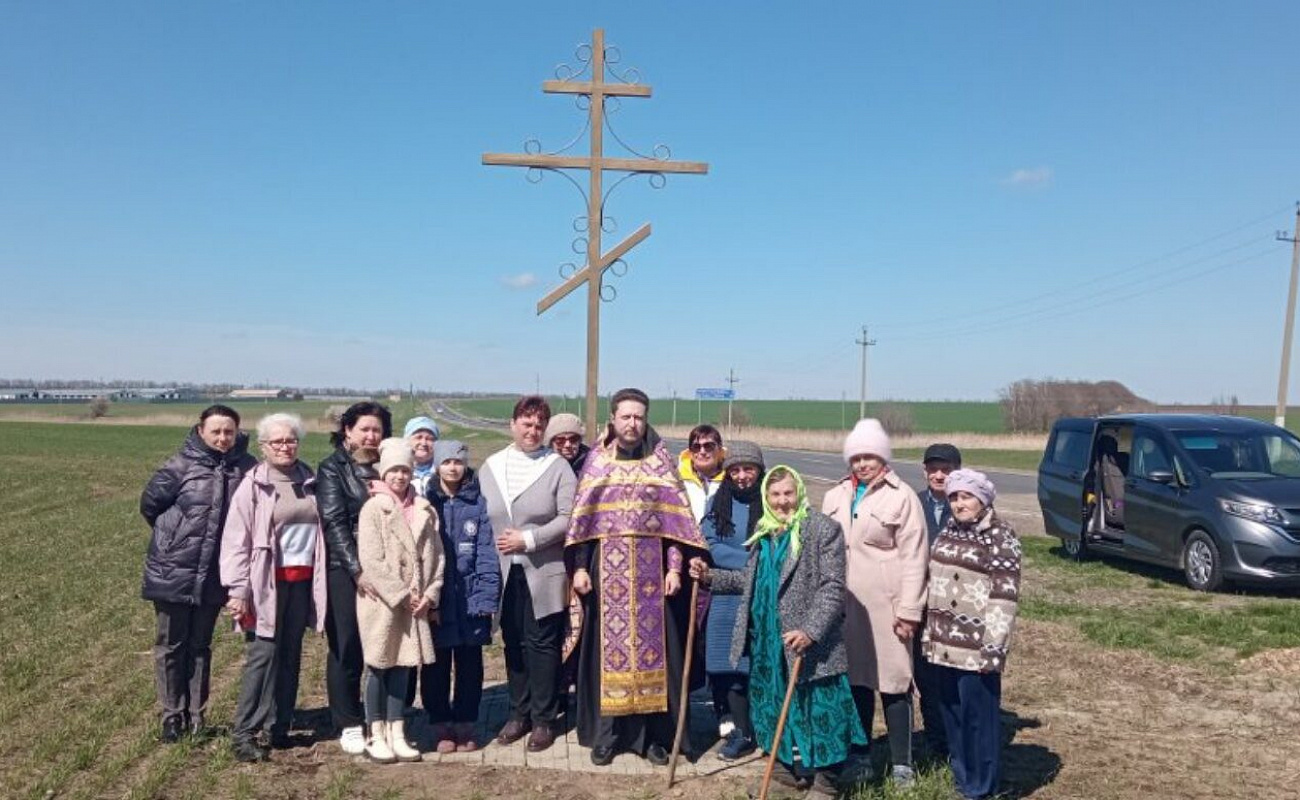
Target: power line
[
  {"x": 1103, "y": 276},
  {"x": 999, "y": 325},
  {"x": 1112, "y": 289}
]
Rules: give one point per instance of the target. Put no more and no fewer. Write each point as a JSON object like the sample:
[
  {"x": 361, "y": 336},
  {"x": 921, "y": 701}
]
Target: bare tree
[
  {"x": 1033, "y": 405},
  {"x": 99, "y": 407},
  {"x": 897, "y": 419}
]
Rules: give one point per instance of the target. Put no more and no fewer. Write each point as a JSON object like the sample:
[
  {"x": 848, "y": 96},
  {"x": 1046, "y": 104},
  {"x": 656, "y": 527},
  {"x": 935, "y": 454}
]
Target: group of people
[{"x": 586, "y": 555}]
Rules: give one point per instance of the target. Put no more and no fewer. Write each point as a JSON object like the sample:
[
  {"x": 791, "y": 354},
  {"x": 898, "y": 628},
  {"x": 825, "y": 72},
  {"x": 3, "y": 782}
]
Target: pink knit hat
[
  {"x": 868, "y": 437},
  {"x": 973, "y": 482}
]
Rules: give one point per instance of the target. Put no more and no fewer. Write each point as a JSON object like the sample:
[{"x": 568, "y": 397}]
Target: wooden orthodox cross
[{"x": 592, "y": 272}]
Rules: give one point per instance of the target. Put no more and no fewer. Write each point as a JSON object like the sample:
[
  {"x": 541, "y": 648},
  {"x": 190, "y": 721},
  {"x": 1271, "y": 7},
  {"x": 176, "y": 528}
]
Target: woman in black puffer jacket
[
  {"x": 185, "y": 502},
  {"x": 342, "y": 488}
]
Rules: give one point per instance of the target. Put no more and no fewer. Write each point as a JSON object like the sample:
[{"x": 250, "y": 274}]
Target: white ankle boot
[
  {"x": 377, "y": 749},
  {"x": 397, "y": 742}
]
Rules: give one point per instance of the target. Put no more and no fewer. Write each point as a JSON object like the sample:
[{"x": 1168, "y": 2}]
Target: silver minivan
[{"x": 1217, "y": 497}]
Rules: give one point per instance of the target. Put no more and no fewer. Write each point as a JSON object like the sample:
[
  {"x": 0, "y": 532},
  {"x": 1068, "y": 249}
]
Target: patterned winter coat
[
  {"x": 974, "y": 594},
  {"x": 397, "y": 557}
]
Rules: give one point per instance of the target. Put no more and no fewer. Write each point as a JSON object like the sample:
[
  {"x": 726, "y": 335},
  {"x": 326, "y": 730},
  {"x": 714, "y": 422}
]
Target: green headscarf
[{"x": 771, "y": 524}]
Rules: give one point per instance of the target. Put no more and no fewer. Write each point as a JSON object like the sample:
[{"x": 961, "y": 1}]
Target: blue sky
[{"x": 292, "y": 193}]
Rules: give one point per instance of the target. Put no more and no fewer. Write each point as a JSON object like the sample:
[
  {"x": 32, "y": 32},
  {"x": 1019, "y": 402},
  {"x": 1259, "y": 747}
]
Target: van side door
[
  {"x": 1060, "y": 477},
  {"x": 1154, "y": 509}
]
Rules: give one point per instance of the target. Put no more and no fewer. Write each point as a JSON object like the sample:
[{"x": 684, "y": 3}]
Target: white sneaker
[{"x": 353, "y": 741}]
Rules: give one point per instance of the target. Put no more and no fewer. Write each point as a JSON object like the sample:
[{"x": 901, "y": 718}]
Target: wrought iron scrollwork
[{"x": 565, "y": 72}]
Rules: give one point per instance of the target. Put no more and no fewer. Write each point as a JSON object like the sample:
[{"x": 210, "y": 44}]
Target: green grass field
[
  {"x": 929, "y": 417},
  {"x": 1125, "y": 605},
  {"x": 77, "y": 711}
]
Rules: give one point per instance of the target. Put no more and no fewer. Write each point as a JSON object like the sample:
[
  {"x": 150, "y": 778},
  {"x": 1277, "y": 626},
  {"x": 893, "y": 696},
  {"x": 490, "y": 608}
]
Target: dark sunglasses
[{"x": 704, "y": 447}]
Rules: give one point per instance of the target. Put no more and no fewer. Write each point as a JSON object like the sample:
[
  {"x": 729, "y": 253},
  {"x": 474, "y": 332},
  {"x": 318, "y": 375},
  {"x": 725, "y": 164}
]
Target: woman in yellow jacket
[{"x": 888, "y": 555}]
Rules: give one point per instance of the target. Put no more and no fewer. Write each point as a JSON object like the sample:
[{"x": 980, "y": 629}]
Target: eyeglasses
[
  {"x": 704, "y": 447},
  {"x": 567, "y": 439},
  {"x": 281, "y": 444}
]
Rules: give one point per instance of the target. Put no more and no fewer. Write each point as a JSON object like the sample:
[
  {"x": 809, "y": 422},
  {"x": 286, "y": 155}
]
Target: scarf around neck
[
  {"x": 771, "y": 524},
  {"x": 728, "y": 493},
  {"x": 406, "y": 501}
]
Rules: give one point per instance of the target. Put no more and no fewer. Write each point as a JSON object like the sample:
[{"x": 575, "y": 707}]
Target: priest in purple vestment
[{"x": 630, "y": 536}]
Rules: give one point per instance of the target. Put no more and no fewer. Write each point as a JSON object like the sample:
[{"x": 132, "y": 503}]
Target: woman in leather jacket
[{"x": 342, "y": 488}]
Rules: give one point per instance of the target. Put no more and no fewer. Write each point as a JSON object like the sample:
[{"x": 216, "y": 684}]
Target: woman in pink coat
[
  {"x": 884, "y": 530},
  {"x": 273, "y": 565}
]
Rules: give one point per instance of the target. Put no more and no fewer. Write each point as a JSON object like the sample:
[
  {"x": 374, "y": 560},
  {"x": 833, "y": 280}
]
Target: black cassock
[{"x": 636, "y": 732}]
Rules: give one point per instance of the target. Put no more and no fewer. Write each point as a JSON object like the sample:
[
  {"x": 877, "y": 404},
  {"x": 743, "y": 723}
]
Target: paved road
[{"x": 821, "y": 467}]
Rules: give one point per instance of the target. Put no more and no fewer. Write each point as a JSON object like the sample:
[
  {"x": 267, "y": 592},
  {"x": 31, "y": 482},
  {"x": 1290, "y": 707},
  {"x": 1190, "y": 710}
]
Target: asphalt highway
[{"x": 821, "y": 467}]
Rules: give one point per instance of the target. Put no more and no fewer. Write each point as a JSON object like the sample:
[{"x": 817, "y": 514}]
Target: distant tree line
[{"x": 1031, "y": 406}]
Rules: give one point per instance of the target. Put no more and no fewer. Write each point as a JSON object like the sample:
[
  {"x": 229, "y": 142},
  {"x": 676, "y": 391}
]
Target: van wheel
[
  {"x": 1201, "y": 563},
  {"x": 1075, "y": 549}
]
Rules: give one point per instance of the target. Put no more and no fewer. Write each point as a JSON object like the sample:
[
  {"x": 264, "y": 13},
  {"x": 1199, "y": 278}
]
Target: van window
[
  {"x": 1243, "y": 456},
  {"x": 1149, "y": 455},
  {"x": 1071, "y": 449}
]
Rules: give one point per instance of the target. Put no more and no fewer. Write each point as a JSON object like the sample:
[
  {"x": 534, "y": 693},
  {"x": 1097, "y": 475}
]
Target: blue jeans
[{"x": 386, "y": 694}]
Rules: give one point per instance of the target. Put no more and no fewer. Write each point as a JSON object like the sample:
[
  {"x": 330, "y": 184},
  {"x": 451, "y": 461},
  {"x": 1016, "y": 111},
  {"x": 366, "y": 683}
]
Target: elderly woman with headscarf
[
  {"x": 974, "y": 595},
  {"x": 185, "y": 503},
  {"x": 732, "y": 516},
  {"x": 792, "y": 605},
  {"x": 884, "y": 532}
]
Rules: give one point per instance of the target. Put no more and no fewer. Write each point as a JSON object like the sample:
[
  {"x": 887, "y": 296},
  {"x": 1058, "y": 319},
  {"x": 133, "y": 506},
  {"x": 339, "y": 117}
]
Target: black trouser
[
  {"x": 182, "y": 657},
  {"x": 898, "y": 720},
  {"x": 532, "y": 651},
  {"x": 436, "y": 684},
  {"x": 269, "y": 686},
  {"x": 345, "y": 663},
  {"x": 731, "y": 695},
  {"x": 927, "y": 683}
]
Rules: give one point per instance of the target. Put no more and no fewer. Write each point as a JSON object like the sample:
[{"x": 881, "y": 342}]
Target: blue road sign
[{"x": 715, "y": 394}]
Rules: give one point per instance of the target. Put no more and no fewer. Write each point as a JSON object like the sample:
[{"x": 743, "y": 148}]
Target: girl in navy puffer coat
[{"x": 471, "y": 593}]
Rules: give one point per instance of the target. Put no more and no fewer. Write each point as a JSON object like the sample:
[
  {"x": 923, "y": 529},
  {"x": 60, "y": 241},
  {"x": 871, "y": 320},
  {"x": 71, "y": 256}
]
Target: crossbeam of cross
[{"x": 592, "y": 271}]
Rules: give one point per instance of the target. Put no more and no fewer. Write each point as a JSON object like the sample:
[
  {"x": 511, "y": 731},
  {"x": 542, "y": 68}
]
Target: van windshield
[{"x": 1243, "y": 456}]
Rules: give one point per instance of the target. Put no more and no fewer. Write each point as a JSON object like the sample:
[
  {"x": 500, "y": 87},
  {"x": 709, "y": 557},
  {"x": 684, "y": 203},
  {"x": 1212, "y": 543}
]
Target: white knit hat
[
  {"x": 868, "y": 437},
  {"x": 395, "y": 452}
]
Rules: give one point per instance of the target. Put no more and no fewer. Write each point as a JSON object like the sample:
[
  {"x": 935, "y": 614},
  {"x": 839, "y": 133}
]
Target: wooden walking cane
[
  {"x": 780, "y": 726},
  {"x": 684, "y": 699}
]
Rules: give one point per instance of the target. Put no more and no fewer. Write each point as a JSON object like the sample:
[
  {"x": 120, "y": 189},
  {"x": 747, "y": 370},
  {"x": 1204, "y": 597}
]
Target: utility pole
[
  {"x": 1279, "y": 415},
  {"x": 732, "y": 380},
  {"x": 865, "y": 342}
]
